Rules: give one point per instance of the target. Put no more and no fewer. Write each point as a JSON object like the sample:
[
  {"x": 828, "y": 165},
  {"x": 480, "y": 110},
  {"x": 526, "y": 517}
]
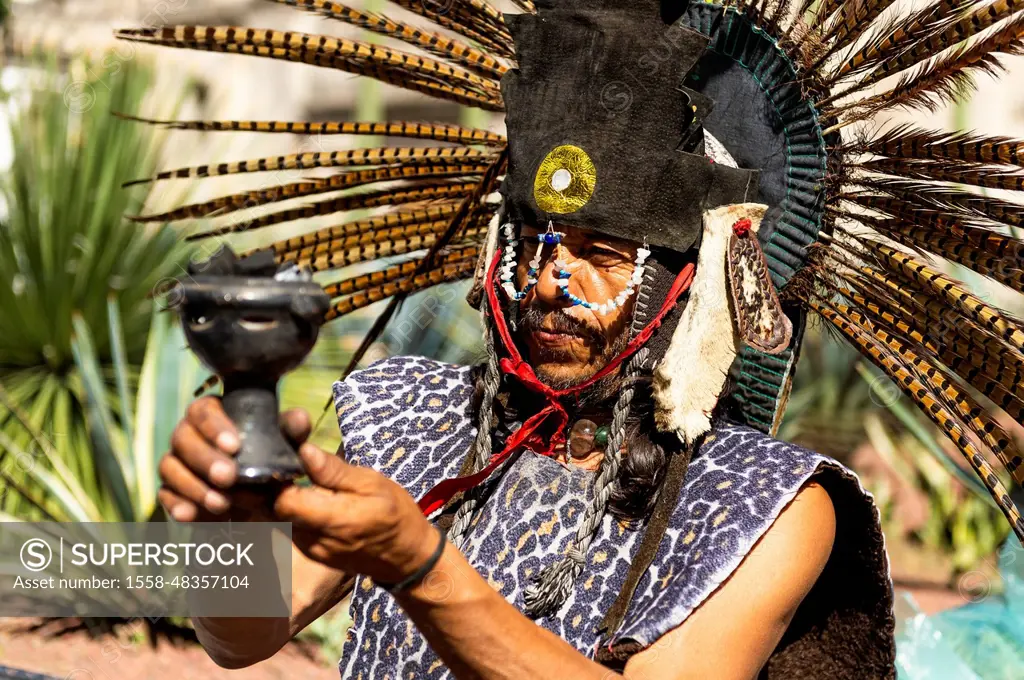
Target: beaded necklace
[{"x": 584, "y": 438}]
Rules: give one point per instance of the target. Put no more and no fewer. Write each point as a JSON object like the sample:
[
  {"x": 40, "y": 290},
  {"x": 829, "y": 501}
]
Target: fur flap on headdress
[
  {"x": 476, "y": 292},
  {"x": 690, "y": 378}
]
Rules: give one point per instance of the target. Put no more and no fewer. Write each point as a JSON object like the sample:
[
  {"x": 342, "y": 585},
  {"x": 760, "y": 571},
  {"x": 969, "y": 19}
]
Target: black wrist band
[{"x": 420, "y": 573}]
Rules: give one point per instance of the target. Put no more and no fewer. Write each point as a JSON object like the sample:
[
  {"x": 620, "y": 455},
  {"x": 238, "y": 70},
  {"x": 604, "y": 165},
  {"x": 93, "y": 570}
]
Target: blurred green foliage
[
  {"x": 842, "y": 406},
  {"x": 126, "y": 435},
  {"x": 75, "y": 280}
]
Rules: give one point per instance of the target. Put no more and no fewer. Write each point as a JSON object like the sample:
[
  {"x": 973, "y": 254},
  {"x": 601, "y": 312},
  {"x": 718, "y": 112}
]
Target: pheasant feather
[
  {"x": 435, "y": 43},
  {"x": 348, "y": 180},
  {"x": 447, "y": 273},
  {"x": 355, "y": 284},
  {"x": 430, "y": 193},
  {"x": 438, "y": 132},
  {"x": 389, "y": 155},
  {"x": 903, "y": 373}
]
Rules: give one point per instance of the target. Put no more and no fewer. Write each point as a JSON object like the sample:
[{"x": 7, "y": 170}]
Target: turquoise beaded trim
[{"x": 760, "y": 380}]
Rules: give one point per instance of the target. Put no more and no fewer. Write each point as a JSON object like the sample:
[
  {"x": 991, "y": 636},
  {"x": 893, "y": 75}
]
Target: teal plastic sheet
[{"x": 982, "y": 640}]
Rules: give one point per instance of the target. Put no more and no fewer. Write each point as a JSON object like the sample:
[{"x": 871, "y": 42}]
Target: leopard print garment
[{"x": 407, "y": 417}]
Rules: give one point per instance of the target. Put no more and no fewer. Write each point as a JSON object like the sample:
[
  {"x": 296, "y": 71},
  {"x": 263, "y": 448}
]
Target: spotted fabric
[{"x": 409, "y": 418}]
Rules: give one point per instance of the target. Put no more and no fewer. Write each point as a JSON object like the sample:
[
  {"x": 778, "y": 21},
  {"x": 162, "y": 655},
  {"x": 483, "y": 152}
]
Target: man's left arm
[{"x": 357, "y": 520}]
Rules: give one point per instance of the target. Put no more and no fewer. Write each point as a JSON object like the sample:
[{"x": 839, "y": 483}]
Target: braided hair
[{"x": 629, "y": 498}]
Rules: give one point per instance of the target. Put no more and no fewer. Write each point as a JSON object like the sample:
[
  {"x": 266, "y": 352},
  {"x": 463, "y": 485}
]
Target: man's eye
[{"x": 605, "y": 252}]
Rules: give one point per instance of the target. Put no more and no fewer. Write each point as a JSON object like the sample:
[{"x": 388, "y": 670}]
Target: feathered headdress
[{"x": 853, "y": 224}]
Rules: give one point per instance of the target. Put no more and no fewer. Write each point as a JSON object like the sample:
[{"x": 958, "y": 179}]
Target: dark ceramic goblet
[{"x": 251, "y": 331}]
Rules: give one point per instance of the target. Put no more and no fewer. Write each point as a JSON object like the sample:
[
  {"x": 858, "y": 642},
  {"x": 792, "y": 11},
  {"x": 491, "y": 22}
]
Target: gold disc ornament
[{"x": 565, "y": 180}]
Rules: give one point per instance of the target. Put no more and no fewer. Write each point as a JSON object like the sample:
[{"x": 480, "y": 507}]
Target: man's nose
[{"x": 548, "y": 290}]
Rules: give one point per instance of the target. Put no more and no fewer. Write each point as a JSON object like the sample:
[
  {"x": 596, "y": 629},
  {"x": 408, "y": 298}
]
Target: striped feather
[
  {"x": 434, "y": 194},
  {"x": 388, "y": 155},
  {"x": 952, "y": 77},
  {"x": 901, "y": 369},
  {"x": 955, "y": 249},
  {"x": 469, "y": 213},
  {"x": 994, "y": 436},
  {"x": 944, "y": 321},
  {"x": 971, "y": 306},
  {"x": 297, "y": 43},
  {"x": 910, "y": 142},
  {"x": 380, "y": 237},
  {"x": 948, "y": 171},
  {"x": 824, "y": 10},
  {"x": 401, "y": 69},
  {"x": 357, "y": 228},
  {"x": 912, "y": 197},
  {"x": 362, "y": 232},
  {"x": 490, "y": 32},
  {"x": 991, "y": 432},
  {"x": 961, "y": 357},
  {"x": 285, "y": 192},
  {"x": 439, "y": 132},
  {"x": 901, "y": 31},
  {"x": 435, "y": 43},
  {"x": 855, "y": 16},
  {"x": 526, "y": 5},
  {"x": 346, "y": 256},
  {"x": 948, "y": 325},
  {"x": 932, "y": 43},
  {"x": 988, "y": 242},
  {"x": 447, "y": 273},
  {"x": 356, "y": 284}
]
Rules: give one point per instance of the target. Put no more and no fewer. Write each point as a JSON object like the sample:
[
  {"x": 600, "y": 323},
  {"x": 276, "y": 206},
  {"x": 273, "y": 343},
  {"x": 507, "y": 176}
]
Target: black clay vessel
[{"x": 251, "y": 324}]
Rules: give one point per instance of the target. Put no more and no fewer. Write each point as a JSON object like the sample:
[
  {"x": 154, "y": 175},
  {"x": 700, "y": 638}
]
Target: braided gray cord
[{"x": 547, "y": 594}]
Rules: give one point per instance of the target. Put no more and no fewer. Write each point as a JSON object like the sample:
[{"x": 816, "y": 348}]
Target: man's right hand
[{"x": 199, "y": 473}]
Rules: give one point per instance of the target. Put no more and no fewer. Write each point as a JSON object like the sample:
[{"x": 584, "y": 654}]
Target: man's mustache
[{"x": 535, "y": 319}]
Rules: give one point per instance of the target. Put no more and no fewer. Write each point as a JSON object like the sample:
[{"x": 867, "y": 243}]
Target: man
[
  {"x": 357, "y": 521},
  {"x": 676, "y": 194}
]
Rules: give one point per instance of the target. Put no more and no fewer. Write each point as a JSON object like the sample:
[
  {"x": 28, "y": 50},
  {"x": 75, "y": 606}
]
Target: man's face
[{"x": 566, "y": 344}]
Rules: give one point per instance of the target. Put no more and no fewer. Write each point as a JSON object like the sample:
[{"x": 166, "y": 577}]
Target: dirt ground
[{"x": 78, "y": 657}]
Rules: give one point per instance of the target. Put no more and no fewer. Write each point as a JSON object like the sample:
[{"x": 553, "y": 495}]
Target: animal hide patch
[
  {"x": 691, "y": 376},
  {"x": 760, "y": 321}
]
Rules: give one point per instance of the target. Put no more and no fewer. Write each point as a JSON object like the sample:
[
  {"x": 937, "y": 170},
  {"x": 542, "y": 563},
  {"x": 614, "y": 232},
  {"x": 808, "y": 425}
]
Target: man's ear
[{"x": 691, "y": 377}]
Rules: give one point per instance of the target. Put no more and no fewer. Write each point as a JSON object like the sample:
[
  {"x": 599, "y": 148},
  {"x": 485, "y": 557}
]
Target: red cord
[{"x": 515, "y": 366}]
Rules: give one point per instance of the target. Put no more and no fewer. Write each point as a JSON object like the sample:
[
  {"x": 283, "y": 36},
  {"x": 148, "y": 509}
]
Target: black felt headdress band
[{"x": 603, "y": 136}]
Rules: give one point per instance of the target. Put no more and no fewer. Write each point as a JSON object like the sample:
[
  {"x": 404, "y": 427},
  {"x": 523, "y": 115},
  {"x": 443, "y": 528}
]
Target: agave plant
[
  {"x": 69, "y": 261},
  {"x": 126, "y": 440}
]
